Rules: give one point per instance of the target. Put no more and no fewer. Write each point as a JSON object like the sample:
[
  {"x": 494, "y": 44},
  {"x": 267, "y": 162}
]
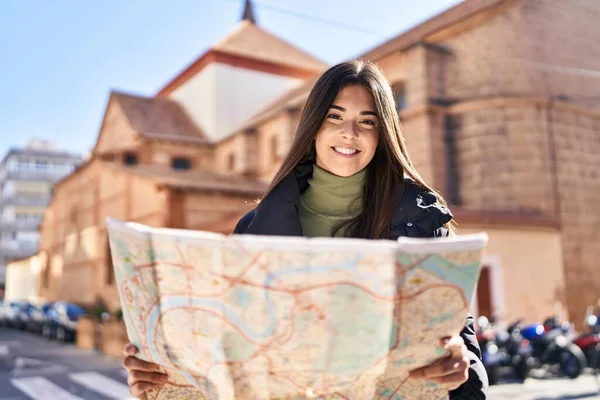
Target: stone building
[
  {"x": 27, "y": 176},
  {"x": 498, "y": 103}
]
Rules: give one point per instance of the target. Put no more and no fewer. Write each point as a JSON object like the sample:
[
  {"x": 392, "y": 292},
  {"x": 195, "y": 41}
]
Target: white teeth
[{"x": 345, "y": 150}]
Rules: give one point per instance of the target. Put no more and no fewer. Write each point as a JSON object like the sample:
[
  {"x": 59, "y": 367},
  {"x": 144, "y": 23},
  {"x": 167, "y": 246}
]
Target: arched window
[
  {"x": 399, "y": 96},
  {"x": 46, "y": 273},
  {"x": 110, "y": 271},
  {"x": 130, "y": 158},
  {"x": 274, "y": 147}
]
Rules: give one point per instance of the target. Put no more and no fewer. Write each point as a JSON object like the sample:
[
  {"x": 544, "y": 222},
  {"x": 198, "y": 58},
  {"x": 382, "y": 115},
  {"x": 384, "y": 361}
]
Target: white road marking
[
  {"x": 102, "y": 384},
  {"x": 31, "y": 366},
  {"x": 39, "y": 388},
  {"x": 12, "y": 343}
]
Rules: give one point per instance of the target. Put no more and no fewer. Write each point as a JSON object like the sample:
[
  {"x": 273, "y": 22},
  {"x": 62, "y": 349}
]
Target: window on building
[
  {"x": 13, "y": 165},
  {"x": 23, "y": 165},
  {"x": 8, "y": 189},
  {"x": 484, "y": 293},
  {"x": 231, "y": 162},
  {"x": 399, "y": 96},
  {"x": 130, "y": 158},
  {"x": 46, "y": 274},
  {"x": 41, "y": 165},
  {"x": 110, "y": 271},
  {"x": 274, "y": 147},
  {"x": 181, "y": 163}
]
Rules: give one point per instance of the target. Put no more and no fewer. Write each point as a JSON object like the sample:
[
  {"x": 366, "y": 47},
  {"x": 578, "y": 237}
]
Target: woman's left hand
[{"x": 451, "y": 372}]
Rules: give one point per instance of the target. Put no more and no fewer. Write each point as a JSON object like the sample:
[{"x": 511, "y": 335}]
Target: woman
[{"x": 348, "y": 174}]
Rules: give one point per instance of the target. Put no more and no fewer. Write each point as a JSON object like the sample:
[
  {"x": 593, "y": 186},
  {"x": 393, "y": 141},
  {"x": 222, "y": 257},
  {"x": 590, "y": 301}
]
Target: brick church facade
[{"x": 498, "y": 100}]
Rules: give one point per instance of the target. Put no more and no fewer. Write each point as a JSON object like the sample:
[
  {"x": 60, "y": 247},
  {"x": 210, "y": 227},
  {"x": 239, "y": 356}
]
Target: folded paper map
[{"x": 264, "y": 317}]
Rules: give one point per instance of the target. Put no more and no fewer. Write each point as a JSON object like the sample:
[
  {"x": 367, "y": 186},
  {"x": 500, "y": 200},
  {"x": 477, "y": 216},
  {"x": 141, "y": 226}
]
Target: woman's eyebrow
[
  {"x": 342, "y": 109},
  {"x": 373, "y": 113}
]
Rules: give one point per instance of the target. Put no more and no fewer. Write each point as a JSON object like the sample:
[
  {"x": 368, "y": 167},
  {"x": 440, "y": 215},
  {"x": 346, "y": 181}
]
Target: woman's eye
[
  {"x": 369, "y": 122},
  {"x": 334, "y": 116}
]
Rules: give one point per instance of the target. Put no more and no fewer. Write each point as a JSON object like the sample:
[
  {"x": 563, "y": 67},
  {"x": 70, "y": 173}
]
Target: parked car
[
  {"x": 39, "y": 316},
  {"x": 4, "y": 313},
  {"x": 23, "y": 314},
  {"x": 62, "y": 321},
  {"x": 10, "y": 314}
]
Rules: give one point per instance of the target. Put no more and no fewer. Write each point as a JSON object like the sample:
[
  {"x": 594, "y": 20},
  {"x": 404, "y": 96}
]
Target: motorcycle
[
  {"x": 492, "y": 356},
  {"x": 551, "y": 348},
  {"x": 503, "y": 350},
  {"x": 589, "y": 342},
  {"x": 518, "y": 349}
]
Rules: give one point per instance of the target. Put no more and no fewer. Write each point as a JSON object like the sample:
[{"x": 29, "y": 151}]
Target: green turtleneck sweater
[{"x": 330, "y": 200}]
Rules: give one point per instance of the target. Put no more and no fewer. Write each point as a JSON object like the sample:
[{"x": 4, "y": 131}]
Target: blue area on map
[
  {"x": 241, "y": 296},
  {"x": 462, "y": 276},
  {"x": 186, "y": 301}
]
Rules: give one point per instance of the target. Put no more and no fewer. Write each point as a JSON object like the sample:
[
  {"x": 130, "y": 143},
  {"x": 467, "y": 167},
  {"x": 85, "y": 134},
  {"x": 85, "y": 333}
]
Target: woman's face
[{"x": 348, "y": 136}]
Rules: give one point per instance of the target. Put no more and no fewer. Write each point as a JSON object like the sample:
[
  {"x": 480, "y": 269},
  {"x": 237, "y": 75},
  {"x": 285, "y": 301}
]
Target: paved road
[
  {"x": 41, "y": 370},
  {"x": 585, "y": 387},
  {"x": 37, "y": 369}
]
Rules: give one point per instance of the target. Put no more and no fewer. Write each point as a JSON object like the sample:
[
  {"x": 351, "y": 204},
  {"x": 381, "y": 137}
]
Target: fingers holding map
[{"x": 252, "y": 317}]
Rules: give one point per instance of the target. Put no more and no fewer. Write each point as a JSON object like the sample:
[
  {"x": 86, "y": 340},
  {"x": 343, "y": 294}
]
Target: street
[
  {"x": 34, "y": 368},
  {"x": 585, "y": 387}
]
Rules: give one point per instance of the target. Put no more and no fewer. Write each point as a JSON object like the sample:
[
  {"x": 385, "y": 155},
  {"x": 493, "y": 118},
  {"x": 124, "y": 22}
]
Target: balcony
[
  {"x": 28, "y": 225},
  {"x": 14, "y": 249},
  {"x": 35, "y": 176},
  {"x": 25, "y": 200}
]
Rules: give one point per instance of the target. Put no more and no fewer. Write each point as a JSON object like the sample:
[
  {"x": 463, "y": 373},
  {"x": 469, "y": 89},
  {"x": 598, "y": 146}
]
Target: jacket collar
[
  {"x": 277, "y": 213},
  {"x": 418, "y": 213}
]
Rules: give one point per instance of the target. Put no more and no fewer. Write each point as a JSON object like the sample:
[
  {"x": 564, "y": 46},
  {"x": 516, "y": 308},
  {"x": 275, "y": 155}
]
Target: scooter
[
  {"x": 552, "y": 349},
  {"x": 492, "y": 356},
  {"x": 589, "y": 342},
  {"x": 519, "y": 350}
]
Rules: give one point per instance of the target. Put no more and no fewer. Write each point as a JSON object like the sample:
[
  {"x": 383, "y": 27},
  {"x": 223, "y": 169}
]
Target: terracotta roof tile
[
  {"x": 159, "y": 118},
  {"x": 251, "y": 41}
]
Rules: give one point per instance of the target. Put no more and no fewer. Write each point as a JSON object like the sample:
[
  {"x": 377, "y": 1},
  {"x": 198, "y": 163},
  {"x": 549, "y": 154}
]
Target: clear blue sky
[{"x": 59, "y": 59}]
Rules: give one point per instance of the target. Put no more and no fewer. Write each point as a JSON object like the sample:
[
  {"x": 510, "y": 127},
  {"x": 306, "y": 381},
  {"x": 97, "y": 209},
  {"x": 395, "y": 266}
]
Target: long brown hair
[{"x": 385, "y": 177}]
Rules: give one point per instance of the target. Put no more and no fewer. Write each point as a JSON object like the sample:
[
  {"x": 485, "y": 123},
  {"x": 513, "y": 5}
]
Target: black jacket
[{"x": 417, "y": 215}]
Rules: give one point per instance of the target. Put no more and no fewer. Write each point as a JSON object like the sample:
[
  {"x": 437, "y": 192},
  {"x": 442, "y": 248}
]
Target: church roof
[
  {"x": 252, "y": 41},
  {"x": 246, "y": 45},
  {"x": 158, "y": 118}
]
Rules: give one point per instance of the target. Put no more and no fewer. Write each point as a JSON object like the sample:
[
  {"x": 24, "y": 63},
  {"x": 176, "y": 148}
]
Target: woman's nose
[{"x": 350, "y": 130}]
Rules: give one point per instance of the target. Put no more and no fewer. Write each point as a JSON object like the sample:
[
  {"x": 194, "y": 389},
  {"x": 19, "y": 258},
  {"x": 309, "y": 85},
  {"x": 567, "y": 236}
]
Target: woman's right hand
[{"x": 141, "y": 375}]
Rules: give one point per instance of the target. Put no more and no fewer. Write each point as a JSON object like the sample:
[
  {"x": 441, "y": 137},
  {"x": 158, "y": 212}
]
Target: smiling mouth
[{"x": 346, "y": 151}]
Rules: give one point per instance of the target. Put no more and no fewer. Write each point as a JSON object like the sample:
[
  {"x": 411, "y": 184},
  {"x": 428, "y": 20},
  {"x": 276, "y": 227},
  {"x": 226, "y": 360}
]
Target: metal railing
[
  {"x": 13, "y": 250},
  {"x": 41, "y": 200},
  {"x": 43, "y": 176},
  {"x": 20, "y": 225}
]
